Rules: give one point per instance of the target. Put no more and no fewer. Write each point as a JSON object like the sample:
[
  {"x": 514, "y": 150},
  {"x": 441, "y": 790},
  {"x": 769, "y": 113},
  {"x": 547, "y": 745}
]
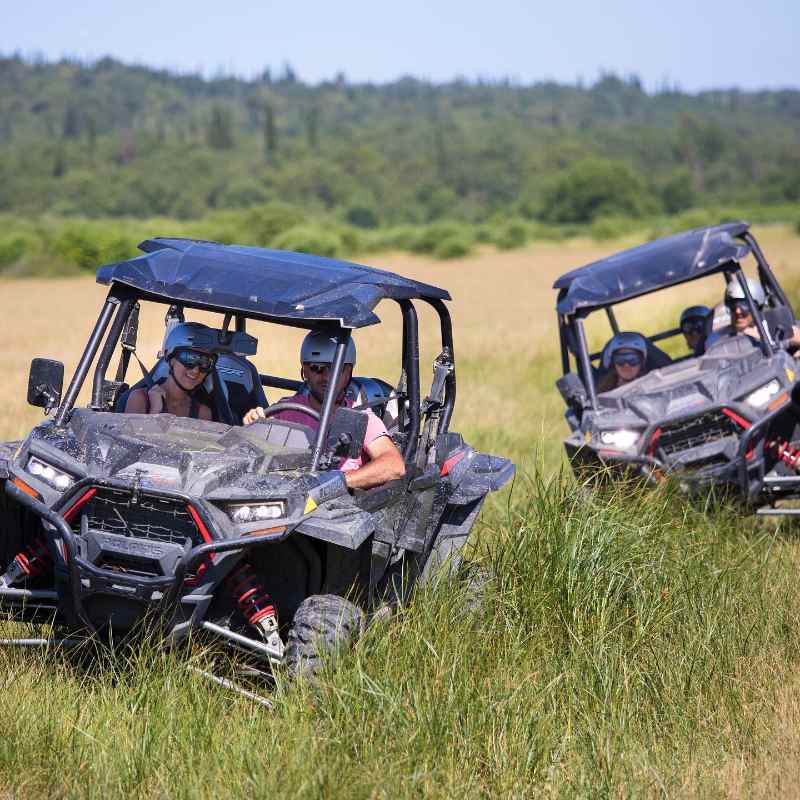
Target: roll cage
[{"x": 121, "y": 307}]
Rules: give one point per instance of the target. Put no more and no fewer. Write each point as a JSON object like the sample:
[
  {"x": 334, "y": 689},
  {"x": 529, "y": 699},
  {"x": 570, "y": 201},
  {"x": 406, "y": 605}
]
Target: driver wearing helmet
[
  {"x": 188, "y": 352},
  {"x": 742, "y": 322},
  {"x": 624, "y": 359},
  {"x": 380, "y": 460},
  {"x": 694, "y": 324}
]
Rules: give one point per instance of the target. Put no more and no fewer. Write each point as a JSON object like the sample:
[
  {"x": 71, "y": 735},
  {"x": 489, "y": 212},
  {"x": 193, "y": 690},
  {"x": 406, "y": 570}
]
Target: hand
[{"x": 253, "y": 415}]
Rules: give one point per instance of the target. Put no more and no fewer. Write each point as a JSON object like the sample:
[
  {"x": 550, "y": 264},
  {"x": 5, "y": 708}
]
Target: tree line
[{"x": 105, "y": 139}]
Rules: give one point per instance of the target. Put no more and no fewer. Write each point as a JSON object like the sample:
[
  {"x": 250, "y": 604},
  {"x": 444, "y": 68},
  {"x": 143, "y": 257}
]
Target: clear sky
[{"x": 695, "y": 44}]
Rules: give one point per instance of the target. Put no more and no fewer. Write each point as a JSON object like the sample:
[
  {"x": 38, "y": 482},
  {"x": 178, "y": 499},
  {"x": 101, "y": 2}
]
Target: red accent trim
[
  {"x": 451, "y": 462},
  {"x": 651, "y": 450},
  {"x": 200, "y": 525},
  {"x": 207, "y": 537},
  {"x": 740, "y": 421},
  {"x": 82, "y": 500}
]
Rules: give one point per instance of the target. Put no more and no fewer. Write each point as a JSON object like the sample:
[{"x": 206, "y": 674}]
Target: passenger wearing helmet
[
  {"x": 624, "y": 359},
  {"x": 189, "y": 355},
  {"x": 694, "y": 324},
  {"x": 380, "y": 460}
]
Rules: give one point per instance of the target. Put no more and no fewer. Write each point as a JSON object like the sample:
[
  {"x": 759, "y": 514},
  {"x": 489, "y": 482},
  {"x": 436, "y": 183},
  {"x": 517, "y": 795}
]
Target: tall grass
[
  {"x": 628, "y": 644},
  {"x": 620, "y": 649}
]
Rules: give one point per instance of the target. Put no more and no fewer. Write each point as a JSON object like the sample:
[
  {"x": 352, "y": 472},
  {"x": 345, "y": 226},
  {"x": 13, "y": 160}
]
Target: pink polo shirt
[{"x": 375, "y": 426}]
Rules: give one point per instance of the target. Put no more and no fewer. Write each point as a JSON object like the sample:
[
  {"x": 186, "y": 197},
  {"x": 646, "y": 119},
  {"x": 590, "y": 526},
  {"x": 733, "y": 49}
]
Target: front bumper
[{"x": 697, "y": 468}]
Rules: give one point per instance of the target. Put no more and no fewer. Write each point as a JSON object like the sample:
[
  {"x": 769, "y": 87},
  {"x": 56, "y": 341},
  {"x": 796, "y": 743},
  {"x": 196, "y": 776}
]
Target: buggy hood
[
  {"x": 726, "y": 376},
  {"x": 176, "y": 454}
]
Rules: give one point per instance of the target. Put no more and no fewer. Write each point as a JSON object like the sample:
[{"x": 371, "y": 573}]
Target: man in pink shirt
[{"x": 380, "y": 460}]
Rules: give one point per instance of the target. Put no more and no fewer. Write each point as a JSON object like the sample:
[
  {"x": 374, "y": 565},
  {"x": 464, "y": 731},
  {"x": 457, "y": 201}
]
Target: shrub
[
  {"x": 428, "y": 238},
  {"x": 89, "y": 246},
  {"x": 269, "y": 221},
  {"x": 362, "y": 217},
  {"x": 454, "y": 246},
  {"x": 12, "y": 248},
  {"x": 797, "y": 227},
  {"x": 593, "y": 188},
  {"x": 605, "y": 228},
  {"x": 512, "y": 234},
  {"x": 677, "y": 192},
  {"x": 310, "y": 239}
]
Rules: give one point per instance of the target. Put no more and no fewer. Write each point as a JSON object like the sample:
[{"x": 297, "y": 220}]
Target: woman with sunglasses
[
  {"x": 624, "y": 359},
  {"x": 189, "y": 360}
]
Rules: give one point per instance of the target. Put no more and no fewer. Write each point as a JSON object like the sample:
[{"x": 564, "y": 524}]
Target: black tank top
[{"x": 194, "y": 406}]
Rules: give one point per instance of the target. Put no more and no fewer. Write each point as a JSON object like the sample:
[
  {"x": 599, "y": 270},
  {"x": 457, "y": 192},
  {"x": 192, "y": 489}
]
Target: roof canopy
[
  {"x": 651, "y": 266},
  {"x": 294, "y": 288}
]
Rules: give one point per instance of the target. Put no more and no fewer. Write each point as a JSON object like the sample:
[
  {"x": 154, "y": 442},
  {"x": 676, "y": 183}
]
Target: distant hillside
[{"x": 108, "y": 139}]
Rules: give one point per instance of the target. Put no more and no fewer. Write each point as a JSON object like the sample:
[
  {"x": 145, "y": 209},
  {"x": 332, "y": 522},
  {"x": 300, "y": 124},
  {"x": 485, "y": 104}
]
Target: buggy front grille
[
  {"x": 687, "y": 434},
  {"x": 150, "y": 517}
]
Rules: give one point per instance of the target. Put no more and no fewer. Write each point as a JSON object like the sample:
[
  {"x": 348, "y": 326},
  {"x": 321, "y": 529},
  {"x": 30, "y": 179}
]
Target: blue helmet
[
  {"x": 190, "y": 336},
  {"x": 694, "y": 312},
  {"x": 625, "y": 340}
]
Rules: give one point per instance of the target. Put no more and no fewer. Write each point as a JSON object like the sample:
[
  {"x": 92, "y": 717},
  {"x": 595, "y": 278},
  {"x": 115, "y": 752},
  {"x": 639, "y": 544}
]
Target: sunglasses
[
  {"x": 627, "y": 360},
  {"x": 191, "y": 359},
  {"x": 742, "y": 306},
  {"x": 318, "y": 369},
  {"x": 693, "y": 327}
]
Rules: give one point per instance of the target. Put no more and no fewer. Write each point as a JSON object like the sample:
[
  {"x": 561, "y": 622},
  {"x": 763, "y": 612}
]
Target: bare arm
[
  {"x": 385, "y": 464},
  {"x": 137, "y": 402}
]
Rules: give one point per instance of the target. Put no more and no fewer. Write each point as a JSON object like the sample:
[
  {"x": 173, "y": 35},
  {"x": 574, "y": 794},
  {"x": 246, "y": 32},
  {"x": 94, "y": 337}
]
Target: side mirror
[
  {"x": 346, "y": 433},
  {"x": 45, "y": 383}
]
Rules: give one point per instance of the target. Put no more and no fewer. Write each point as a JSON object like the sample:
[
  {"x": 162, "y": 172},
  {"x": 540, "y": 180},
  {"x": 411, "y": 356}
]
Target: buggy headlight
[
  {"x": 622, "y": 439},
  {"x": 54, "y": 478},
  {"x": 761, "y": 396},
  {"x": 242, "y": 513}
]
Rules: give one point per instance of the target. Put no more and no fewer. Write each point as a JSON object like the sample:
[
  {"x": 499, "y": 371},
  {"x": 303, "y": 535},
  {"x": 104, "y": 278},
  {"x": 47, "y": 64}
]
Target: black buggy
[
  {"x": 110, "y": 519},
  {"x": 726, "y": 418}
]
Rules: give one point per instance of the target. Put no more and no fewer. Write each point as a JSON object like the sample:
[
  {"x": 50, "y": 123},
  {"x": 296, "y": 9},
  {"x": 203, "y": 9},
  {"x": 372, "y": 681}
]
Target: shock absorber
[
  {"x": 31, "y": 562},
  {"x": 785, "y": 452},
  {"x": 254, "y": 602}
]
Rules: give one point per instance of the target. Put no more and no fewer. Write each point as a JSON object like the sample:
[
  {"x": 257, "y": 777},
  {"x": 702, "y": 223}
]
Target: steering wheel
[{"x": 276, "y": 408}]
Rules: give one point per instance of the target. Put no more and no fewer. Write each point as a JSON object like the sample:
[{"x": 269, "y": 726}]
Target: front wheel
[{"x": 322, "y": 624}]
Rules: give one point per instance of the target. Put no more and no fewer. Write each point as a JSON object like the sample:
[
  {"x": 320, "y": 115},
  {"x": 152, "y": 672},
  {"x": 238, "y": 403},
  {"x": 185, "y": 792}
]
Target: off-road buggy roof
[
  {"x": 651, "y": 266},
  {"x": 291, "y": 288}
]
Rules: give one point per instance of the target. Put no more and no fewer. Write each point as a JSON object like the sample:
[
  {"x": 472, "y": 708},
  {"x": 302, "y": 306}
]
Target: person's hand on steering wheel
[{"x": 259, "y": 414}]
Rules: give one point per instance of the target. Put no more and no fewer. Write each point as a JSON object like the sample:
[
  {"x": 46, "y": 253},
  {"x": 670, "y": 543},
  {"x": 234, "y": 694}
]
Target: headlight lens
[
  {"x": 48, "y": 474},
  {"x": 243, "y": 513},
  {"x": 622, "y": 439},
  {"x": 761, "y": 396}
]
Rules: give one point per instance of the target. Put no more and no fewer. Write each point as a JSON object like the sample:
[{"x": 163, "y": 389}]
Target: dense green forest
[{"x": 105, "y": 139}]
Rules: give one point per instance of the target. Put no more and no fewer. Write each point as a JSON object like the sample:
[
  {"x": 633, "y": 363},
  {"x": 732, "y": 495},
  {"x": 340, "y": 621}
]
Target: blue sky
[{"x": 695, "y": 44}]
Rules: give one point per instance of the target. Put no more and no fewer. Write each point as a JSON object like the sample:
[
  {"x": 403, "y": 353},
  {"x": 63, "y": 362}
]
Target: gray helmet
[
  {"x": 320, "y": 348},
  {"x": 190, "y": 336},
  {"x": 627, "y": 340},
  {"x": 694, "y": 312},
  {"x": 734, "y": 291}
]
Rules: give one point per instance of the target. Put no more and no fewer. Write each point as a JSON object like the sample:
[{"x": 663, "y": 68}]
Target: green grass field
[{"x": 628, "y": 645}]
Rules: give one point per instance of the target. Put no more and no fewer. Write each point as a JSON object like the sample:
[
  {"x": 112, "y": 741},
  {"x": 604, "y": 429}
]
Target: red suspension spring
[
  {"x": 249, "y": 593},
  {"x": 36, "y": 558},
  {"x": 785, "y": 452}
]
